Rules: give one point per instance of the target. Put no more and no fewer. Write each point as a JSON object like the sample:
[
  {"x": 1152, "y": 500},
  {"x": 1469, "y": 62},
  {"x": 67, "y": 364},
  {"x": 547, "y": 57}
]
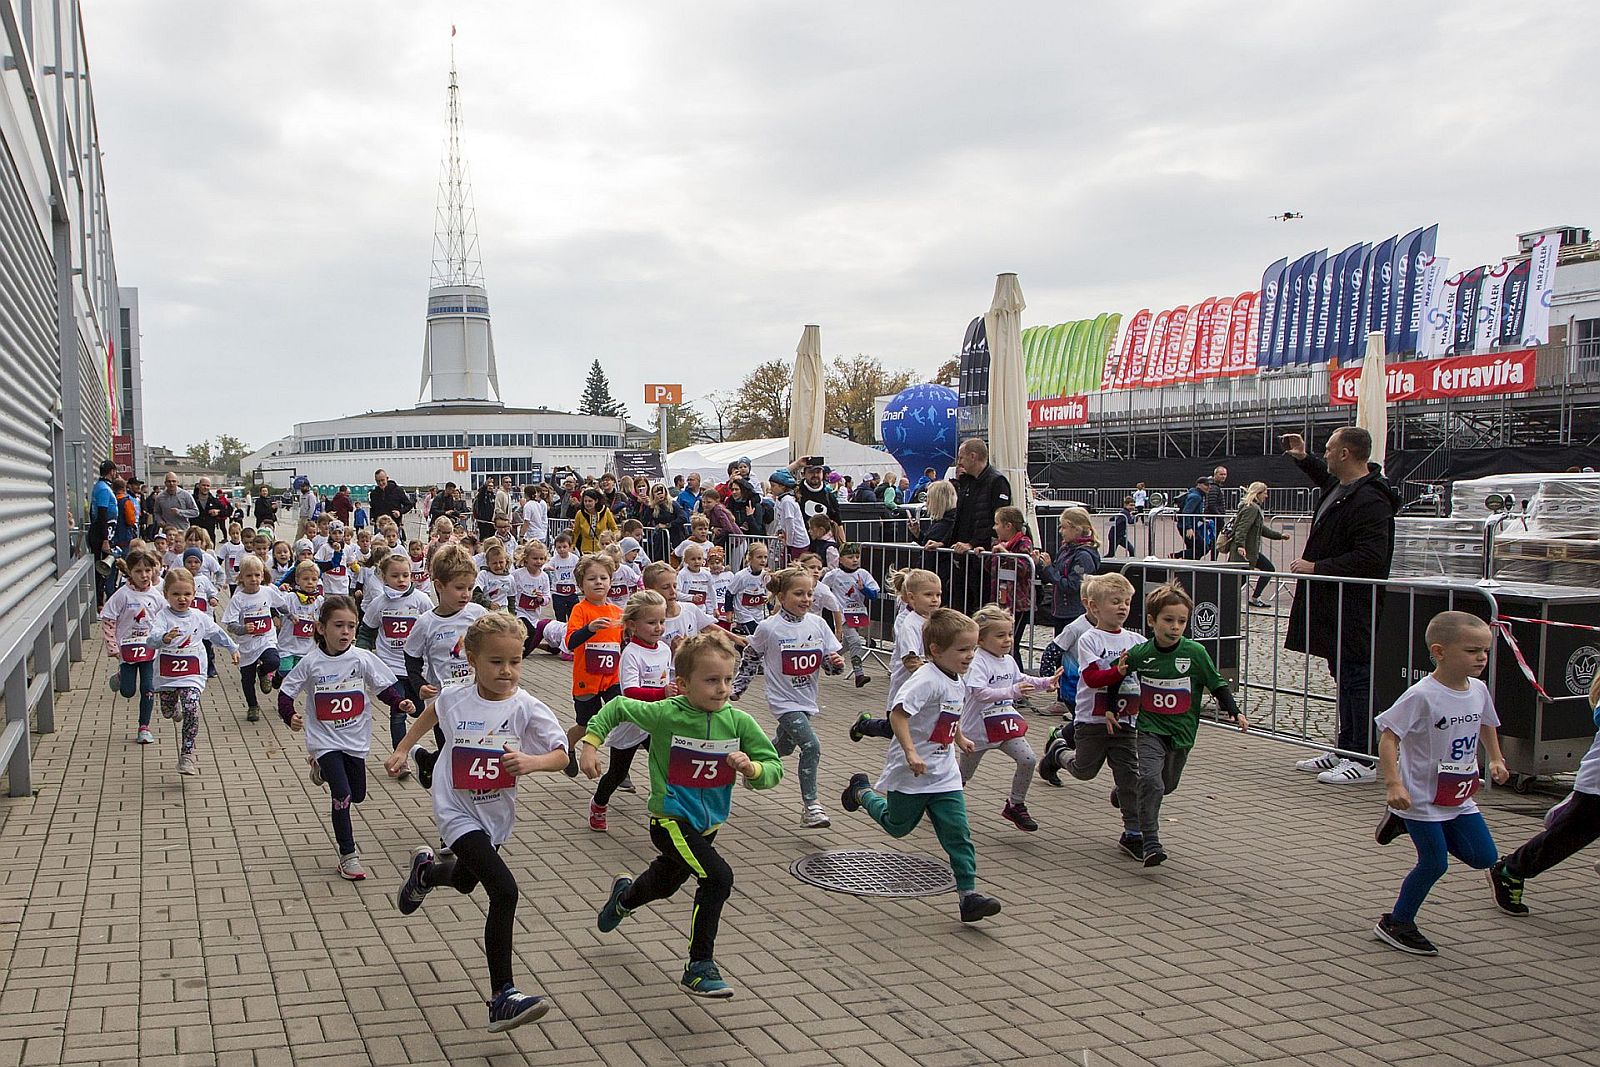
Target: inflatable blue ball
[{"x": 919, "y": 429}]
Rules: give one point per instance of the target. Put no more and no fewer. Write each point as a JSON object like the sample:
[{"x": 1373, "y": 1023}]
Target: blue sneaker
[
  {"x": 613, "y": 913},
  {"x": 702, "y": 978},
  {"x": 851, "y": 800},
  {"x": 409, "y": 899},
  {"x": 510, "y": 1009}
]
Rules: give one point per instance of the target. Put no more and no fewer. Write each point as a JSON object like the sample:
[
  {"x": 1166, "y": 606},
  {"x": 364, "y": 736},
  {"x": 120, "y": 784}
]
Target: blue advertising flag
[
  {"x": 1465, "y": 329},
  {"x": 1280, "y": 329},
  {"x": 1319, "y": 336},
  {"x": 1514, "y": 304},
  {"x": 1422, "y": 253},
  {"x": 1267, "y": 313},
  {"x": 1380, "y": 278},
  {"x": 1339, "y": 279},
  {"x": 1399, "y": 281},
  {"x": 1292, "y": 339},
  {"x": 1309, "y": 276},
  {"x": 1355, "y": 308}
]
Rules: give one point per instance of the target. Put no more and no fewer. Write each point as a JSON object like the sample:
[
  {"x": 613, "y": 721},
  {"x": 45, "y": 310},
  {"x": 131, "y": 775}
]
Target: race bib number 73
[{"x": 698, "y": 763}]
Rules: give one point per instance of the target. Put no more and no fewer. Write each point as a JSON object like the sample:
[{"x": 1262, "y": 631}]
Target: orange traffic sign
[{"x": 655, "y": 395}]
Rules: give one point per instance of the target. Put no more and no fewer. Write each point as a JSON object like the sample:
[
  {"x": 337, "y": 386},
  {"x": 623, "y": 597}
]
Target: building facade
[
  {"x": 59, "y": 398},
  {"x": 129, "y": 439}
]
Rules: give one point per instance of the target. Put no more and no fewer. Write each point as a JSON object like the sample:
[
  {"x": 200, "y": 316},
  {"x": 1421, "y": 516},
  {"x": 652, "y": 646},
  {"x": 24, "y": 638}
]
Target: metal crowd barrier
[
  {"x": 40, "y": 641},
  {"x": 1161, "y": 535}
]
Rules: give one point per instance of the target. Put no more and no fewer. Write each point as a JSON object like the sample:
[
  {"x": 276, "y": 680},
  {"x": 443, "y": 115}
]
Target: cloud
[{"x": 686, "y": 185}]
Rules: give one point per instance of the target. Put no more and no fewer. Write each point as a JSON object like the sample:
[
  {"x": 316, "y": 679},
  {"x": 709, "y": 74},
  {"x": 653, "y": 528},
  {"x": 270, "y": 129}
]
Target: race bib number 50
[{"x": 696, "y": 763}]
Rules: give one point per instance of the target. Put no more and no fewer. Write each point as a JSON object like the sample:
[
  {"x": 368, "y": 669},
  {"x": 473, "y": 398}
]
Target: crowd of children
[{"x": 436, "y": 630}]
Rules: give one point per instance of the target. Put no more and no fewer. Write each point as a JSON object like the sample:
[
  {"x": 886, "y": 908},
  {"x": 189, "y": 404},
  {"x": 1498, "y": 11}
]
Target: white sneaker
[
  {"x": 187, "y": 764},
  {"x": 814, "y": 818},
  {"x": 1317, "y": 764},
  {"x": 1349, "y": 772},
  {"x": 350, "y": 867}
]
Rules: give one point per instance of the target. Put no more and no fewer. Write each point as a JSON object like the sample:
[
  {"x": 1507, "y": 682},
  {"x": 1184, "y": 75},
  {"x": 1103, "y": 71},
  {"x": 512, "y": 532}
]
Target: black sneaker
[
  {"x": 861, "y": 680},
  {"x": 409, "y": 899},
  {"x": 1050, "y": 762},
  {"x": 1018, "y": 814},
  {"x": 1403, "y": 936},
  {"x": 252, "y": 713},
  {"x": 424, "y": 761},
  {"x": 975, "y": 906},
  {"x": 510, "y": 1009},
  {"x": 855, "y": 727},
  {"x": 1154, "y": 857},
  {"x": 571, "y": 769},
  {"x": 1507, "y": 889},
  {"x": 612, "y": 914},
  {"x": 1132, "y": 845},
  {"x": 1390, "y": 827},
  {"x": 851, "y": 800}
]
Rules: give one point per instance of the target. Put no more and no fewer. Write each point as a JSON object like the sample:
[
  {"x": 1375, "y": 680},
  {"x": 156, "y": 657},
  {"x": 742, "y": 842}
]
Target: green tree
[
  {"x": 761, "y": 403},
  {"x": 229, "y": 451},
  {"x": 201, "y": 453},
  {"x": 597, "y": 398},
  {"x": 853, "y": 384},
  {"x": 684, "y": 425},
  {"x": 949, "y": 372}
]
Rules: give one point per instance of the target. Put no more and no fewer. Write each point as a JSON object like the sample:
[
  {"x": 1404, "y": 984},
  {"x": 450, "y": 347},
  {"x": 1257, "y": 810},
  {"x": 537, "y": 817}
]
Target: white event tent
[{"x": 767, "y": 455}]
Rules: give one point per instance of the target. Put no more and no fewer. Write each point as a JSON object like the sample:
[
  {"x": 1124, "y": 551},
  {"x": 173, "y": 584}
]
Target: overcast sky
[{"x": 676, "y": 188}]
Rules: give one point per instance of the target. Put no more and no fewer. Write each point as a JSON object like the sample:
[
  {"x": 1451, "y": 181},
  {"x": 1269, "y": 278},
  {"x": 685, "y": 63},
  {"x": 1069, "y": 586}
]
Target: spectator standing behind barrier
[
  {"x": 1249, "y": 527},
  {"x": 1192, "y": 523},
  {"x": 1141, "y": 499},
  {"x": 1352, "y": 536},
  {"x": 939, "y": 514},
  {"x": 1077, "y": 557},
  {"x": 980, "y": 492},
  {"x": 1216, "y": 506},
  {"x": 1117, "y": 531}
]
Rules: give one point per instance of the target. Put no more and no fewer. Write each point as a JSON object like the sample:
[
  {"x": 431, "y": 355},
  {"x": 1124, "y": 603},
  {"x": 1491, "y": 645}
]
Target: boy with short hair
[
  {"x": 920, "y": 772},
  {"x": 1428, "y": 754},
  {"x": 855, "y": 588}
]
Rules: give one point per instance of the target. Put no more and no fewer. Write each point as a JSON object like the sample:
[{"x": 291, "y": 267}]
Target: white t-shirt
[
  {"x": 822, "y": 599},
  {"x": 253, "y": 611},
  {"x": 496, "y": 588},
  {"x": 439, "y": 641},
  {"x": 335, "y": 579},
  {"x": 689, "y": 621},
  {"x": 338, "y": 717},
  {"x": 172, "y": 561},
  {"x": 182, "y": 663},
  {"x": 1588, "y": 779},
  {"x": 721, "y": 582},
  {"x": 851, "y": 588},
  {"x": 987, "y": 725},
  {"x": 1438, "y": 730},
  {"x": 696, "y": 587},
  {"x": 298, "y": 634},
  {"x": 792, "y": 651},
  {"x": 419, "y": 574},
  {"x": 471, "y": 791},
  {"x": 535, "y": 520},
  {"x": 207, "y": 597},
  {"x": 394, "y": 615},
  {"x": 934, "y": 701},
  {"x": 682, "y": 546},
  {"x": 1097, "y": 646},
  {"x": 562, "y": 572},
  {"x": 231, "y": 554},
  {"x": 133, "y": 612},
  {"x": 642, "y": 667},
  {"x": 749, "y": 595},
  {"x": 1067, "y": 639},
  {"x": 624, "y": 583},
  {"x": 530, "y": 592},
  {"x": 907, "y": 642},
  {"x": 789, "y": 523}
]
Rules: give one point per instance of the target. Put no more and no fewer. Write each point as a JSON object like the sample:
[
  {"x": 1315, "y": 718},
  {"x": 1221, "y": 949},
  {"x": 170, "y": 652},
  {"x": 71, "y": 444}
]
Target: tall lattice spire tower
[{"x": 458, "y": 351}]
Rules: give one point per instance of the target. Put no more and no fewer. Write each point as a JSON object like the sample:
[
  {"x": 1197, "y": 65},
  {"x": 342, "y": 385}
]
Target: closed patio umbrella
[
  {"x": 807, "y": 397},
  {"x": 1372, "y": 398},
  {"x": 1008, "y": 392}
]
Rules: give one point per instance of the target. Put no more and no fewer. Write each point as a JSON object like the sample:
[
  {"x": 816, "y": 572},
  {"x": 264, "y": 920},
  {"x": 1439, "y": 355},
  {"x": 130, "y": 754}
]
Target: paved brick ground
[{"x": 150, "y": 919}]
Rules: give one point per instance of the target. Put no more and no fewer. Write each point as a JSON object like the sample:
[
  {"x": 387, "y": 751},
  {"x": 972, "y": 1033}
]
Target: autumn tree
[
  {"x": 852, "y": 386},
  {"x": 761, "y": 403},
  {"x": 949, "y": 372},
  {"x": 684, "y": 425}
]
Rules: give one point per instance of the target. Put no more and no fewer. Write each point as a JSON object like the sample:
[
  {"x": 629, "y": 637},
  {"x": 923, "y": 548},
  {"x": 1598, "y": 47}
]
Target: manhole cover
[{"x": 874, "y": 874}]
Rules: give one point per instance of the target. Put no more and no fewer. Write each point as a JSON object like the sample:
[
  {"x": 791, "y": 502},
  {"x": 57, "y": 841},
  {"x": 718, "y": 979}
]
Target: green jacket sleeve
[
  {"x": 755, "y": 743},
  {"x": 619, "y": 710},
  {"x": 1205, "y": 671}
]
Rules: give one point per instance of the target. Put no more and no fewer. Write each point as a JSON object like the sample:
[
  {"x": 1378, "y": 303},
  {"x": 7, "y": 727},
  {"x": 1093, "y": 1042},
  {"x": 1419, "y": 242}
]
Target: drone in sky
[{"x": 1287, "y": 216}]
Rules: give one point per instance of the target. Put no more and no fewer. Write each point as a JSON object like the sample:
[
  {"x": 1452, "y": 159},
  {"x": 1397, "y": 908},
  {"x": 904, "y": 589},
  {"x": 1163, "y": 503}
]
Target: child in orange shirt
[{"x": 595, "y": 628}]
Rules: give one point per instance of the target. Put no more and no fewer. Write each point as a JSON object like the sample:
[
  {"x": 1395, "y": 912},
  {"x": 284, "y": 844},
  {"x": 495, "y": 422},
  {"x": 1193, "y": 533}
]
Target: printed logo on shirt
[{"x": 1182, "y": 665}]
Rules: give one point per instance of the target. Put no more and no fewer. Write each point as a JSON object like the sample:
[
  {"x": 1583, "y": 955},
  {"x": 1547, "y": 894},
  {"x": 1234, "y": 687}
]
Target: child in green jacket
[{"x": 699, "y": 743}]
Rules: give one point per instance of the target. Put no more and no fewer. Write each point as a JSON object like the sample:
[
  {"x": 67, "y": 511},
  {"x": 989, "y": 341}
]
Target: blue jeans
[
  {"x": 1466, "y": 837},
  {"x": 139, "y": 678}
]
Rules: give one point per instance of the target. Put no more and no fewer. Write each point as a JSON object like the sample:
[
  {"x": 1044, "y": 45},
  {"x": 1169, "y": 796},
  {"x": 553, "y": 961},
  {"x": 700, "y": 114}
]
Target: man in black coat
[
  {"x": 388, "y": 498},
  {"x": 980, "y": 491},
  {"x": 1352, "y": 536}
]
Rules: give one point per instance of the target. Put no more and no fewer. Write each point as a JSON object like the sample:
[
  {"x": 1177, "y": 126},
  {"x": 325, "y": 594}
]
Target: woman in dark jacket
[
  {"x": 266, "y": 509},
  {"x": 483, "y": 510},
  {"x": 1249, "y": 527}
]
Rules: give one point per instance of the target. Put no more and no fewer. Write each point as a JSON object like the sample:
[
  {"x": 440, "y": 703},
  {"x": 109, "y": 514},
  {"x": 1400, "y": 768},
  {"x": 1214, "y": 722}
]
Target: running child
[
  {"x": 699, "y": 534},
  {"x": 418, "y": 552},
  {"x": 178, "y": 634},
  {"x": 126, "y": 619},
  {"x": 330, "y": 560},
  {"x": 495, "y": 732},
  {"x": 721, "y": 582},
  {"x": 921, "y": 775},
  {"x": 436, "y": 651},
  {"x": 1174, "y": 673},
  {"x": 594, "y": 639},
  {"x": 820, "y": 529},
  {"x": 646, "y": 674},
  {"x": 854, "y": 588},
  {"x": 278, "y": 572},
  {"x": 298, "y": 610},
  {"x": 1428, "y": 752},
  {"x": 695, "y": 585},
  {"x": 699, "y": 744},
  {"x": 683, "y": 620},
  {"x": 493, "y": 588},
  {"x": 231, "y": 553},
  {"x": 990, "y": 718},
  {"x": 171, "y": 549},
  {"x": 823, "y": 602},
  {"x": 918, "y": 593},
  {"x": 562, "y": 569},
  {"x": 1104, "y": 727},
  {"x": 338, "y": 729},
  {"x": 793, "y": 647},
  {"x": 748, "y": 598},
  {"x": 388, "y": 616},
  {"x": 248, "y": 617},
  {"x": 530, "y": 592},
  {"x": 625, "y": 579},
  {"x": 1571, "y": 825}
]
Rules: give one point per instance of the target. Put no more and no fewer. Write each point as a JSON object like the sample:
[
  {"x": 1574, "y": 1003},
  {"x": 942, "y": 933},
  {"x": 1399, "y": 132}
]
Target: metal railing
[{"x": 38, "y": 645}]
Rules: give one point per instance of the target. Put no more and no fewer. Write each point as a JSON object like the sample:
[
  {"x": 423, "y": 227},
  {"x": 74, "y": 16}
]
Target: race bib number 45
[
  {"x": 479, "y": 769},
  {"x": 696, "y": 763},
  {"x": 1165, "y": 696}
]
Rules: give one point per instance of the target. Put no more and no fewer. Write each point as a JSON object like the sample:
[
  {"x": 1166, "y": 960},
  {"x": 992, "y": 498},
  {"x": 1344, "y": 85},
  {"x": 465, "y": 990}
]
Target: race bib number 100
[{"x": 801, "y": 662}]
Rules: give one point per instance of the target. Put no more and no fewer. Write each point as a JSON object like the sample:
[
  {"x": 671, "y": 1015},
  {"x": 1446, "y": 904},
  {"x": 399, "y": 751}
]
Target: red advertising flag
[
  {"x": 1243, "y": 334},
  {"x": 1187, "y": 347},
  {"x": 1130, "y": 372},
  {"x": 1217, "y": 348},
  {"x": 1501, "y": 374},
  {"x": 1154, "y": 349},
  {"x": 1058, "y": 411},
  {"x": 1173, "y": 347}
]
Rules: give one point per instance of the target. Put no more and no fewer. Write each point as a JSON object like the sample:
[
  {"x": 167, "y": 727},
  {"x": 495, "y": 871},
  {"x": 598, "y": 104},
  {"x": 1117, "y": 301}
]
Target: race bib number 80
[{"x": 1165, "y": 696}]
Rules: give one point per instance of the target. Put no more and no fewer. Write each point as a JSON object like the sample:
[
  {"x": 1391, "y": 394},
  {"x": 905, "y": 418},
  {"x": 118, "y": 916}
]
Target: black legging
[
  {"x": 616, "y": 771},
  {"x": 346, "y": 776},
  {"x": 471, "y": 859},
  {"x": 1574, "y": 825},
  {"x": 684, "y": 853},
  {"x": 266, "y": 664},
  {"x": 1262, "y": 563}
]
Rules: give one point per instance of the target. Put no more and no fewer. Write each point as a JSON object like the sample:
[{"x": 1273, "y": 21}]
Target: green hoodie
[{"x": 689, "y": 747}]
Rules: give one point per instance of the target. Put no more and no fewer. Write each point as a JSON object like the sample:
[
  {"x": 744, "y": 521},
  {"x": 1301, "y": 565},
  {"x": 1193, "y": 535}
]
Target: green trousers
[{"x": 899, "y": 813}]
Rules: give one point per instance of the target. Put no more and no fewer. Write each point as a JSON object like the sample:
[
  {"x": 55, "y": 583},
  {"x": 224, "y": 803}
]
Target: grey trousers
[
  {"x": 1160, "y": 767},
  {"x": 1096, "y": 748},
  {"x": 1018, "y": 749},
  {"x": 854, "y": 648}
]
